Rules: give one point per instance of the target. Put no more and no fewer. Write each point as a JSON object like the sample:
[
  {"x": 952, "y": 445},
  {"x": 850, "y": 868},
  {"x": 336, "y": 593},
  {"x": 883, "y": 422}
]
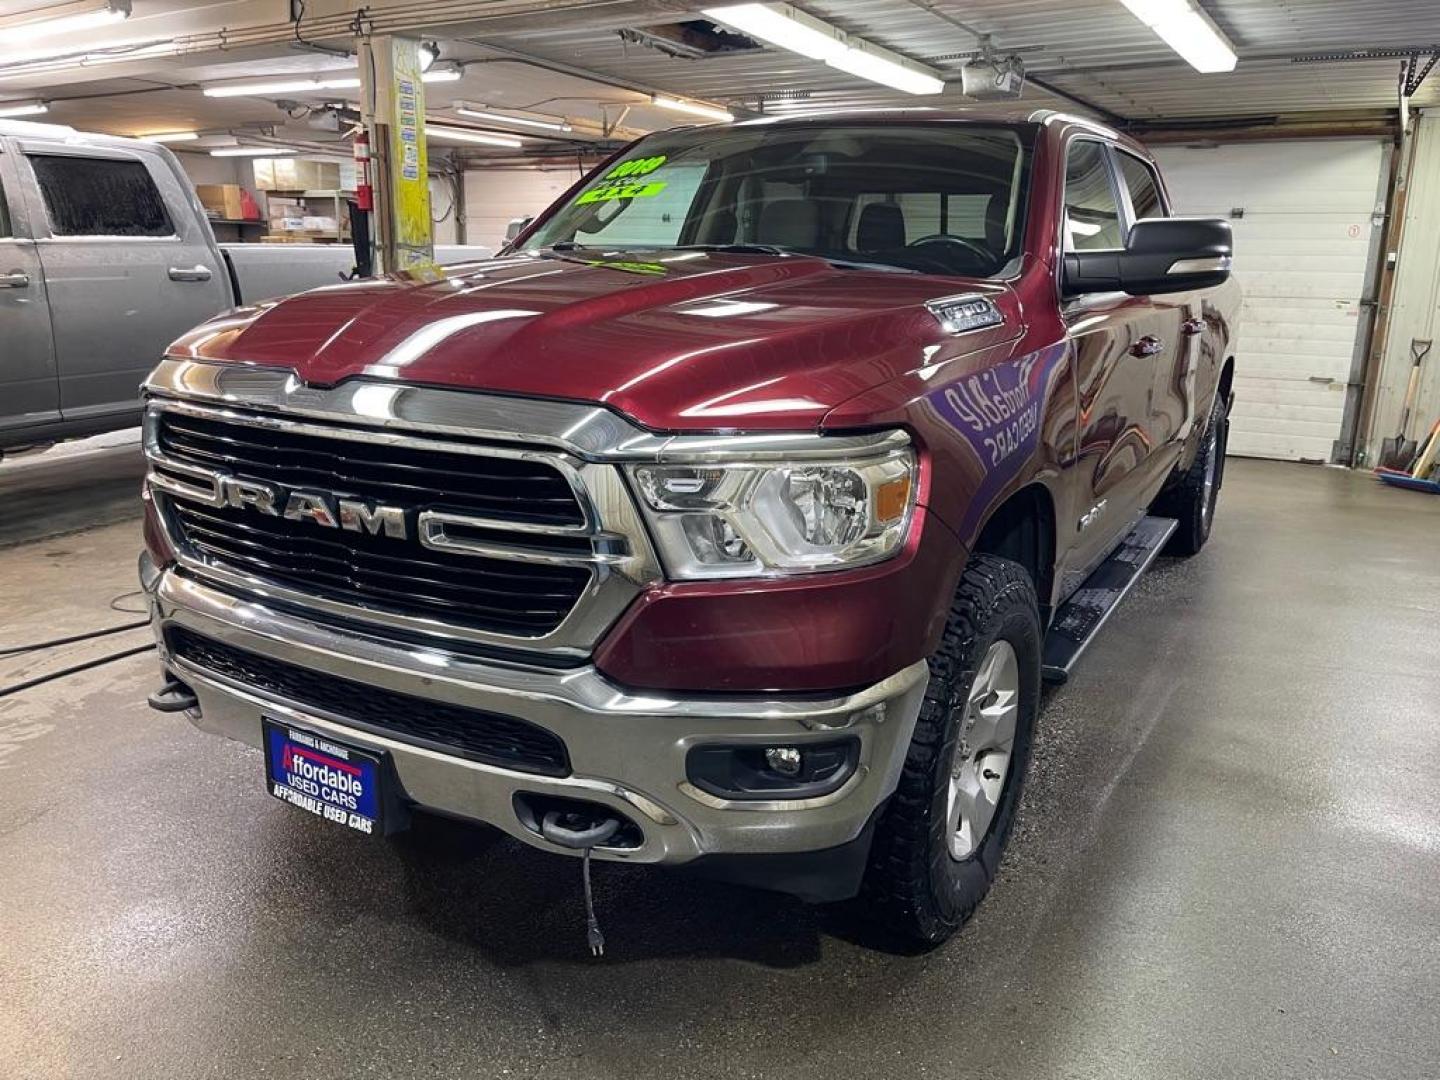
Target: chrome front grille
[
  {"x": 488, "y": 594},
  {"x": 466, "y": 542},
  {"x": 503, "y": 489}
]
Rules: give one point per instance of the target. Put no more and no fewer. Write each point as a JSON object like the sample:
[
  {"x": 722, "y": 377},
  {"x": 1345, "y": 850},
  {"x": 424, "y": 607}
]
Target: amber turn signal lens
[{"x": 891, "y": 499}]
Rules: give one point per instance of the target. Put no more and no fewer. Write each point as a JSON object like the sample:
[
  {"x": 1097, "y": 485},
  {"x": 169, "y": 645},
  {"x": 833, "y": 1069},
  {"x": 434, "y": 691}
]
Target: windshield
[{"x": 934, "y": 198}]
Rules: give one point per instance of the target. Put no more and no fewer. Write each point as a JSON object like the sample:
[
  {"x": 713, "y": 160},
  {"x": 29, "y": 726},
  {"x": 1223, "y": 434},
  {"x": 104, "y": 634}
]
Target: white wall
[
  {"x": 1415, "y": 303},
  {"x": 494, "y": 197}
]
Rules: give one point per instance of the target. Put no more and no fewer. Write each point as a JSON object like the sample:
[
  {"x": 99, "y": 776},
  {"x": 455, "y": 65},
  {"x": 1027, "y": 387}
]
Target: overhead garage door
[
  {"x": 495, "y": 197},
  {"x": 1303, "y": 212}
]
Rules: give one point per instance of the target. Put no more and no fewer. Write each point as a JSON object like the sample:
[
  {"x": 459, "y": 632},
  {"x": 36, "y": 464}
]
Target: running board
[{"x": 1081, "y": 617}]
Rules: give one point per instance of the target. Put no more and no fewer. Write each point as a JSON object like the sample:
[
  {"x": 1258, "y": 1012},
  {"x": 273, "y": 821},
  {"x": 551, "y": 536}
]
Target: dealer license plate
[{"x": 326, "y": 778}]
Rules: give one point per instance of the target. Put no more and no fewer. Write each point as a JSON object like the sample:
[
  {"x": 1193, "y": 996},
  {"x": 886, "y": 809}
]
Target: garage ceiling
[
  {"x": 568, "y": 57},
  {"x": 1091, "y": 48}
]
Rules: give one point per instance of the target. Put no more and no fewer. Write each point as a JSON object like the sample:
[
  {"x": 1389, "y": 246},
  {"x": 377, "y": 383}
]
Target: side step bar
[{"x": 1081, "y": 617}]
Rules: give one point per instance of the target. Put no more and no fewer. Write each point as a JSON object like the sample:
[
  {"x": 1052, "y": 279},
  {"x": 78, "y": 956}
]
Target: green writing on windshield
[
  {"x": 608, "y": 191},
  {"x": 626, "y": 181}
]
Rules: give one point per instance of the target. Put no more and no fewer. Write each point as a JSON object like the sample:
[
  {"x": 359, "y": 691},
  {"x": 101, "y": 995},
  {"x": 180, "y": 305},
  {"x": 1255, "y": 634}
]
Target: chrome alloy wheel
[
  {"x": 983, "y": 748},
  {"x": 1212, "y": 452}
]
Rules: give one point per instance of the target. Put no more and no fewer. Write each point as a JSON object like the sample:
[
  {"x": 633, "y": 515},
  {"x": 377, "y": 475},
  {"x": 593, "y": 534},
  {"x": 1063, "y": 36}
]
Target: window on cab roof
[{"x": 936, "y": 198}]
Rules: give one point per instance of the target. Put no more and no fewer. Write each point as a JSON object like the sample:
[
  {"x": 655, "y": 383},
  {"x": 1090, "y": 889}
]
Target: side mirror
[{"x": 1164, "y": 255}]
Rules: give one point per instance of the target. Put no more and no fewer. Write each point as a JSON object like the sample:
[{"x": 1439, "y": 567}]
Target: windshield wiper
[
  {"x": 776, "y": 249},
  {"x": 739, "y": 249}
]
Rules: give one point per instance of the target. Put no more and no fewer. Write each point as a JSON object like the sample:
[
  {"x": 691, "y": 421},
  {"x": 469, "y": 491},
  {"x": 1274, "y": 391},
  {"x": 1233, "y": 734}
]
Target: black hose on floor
[
  {"x": 14, "y": 650},
  {"x": 6, "y": 691}
]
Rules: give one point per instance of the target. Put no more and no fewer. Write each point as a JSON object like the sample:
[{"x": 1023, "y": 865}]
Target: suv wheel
[
  {"x": 1192, "y": 501},
  {"x": 941, "y": 836}
]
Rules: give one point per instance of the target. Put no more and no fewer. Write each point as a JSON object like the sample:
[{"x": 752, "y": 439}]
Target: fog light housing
[
  {"x": 799, "y": 771},
  {"x": 785, "y": 760}
]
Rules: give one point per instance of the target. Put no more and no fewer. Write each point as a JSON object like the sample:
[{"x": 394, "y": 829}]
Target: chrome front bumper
[{"x": 627, "y": 751}]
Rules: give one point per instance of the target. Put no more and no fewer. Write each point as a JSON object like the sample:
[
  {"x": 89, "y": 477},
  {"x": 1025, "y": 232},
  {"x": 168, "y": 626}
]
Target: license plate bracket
[{"x": 330, "y": 778}]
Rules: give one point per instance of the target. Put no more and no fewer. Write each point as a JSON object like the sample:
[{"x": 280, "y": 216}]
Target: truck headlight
[{"x": 757, "y": 519}]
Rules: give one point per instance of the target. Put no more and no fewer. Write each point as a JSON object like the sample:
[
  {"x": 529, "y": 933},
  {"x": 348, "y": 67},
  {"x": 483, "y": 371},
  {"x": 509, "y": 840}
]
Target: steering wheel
[{"x": 985, "y": 255}]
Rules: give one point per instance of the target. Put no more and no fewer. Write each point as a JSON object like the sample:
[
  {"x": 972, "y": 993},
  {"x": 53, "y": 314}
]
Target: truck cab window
[
  {"x": 1144, "y": 191},
  {"x": 1092, "y": 212},
  {"x": 100, "y": 197}
]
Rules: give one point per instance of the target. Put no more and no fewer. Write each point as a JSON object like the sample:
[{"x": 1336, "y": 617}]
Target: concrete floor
[{"x": 1227, "y": 865}]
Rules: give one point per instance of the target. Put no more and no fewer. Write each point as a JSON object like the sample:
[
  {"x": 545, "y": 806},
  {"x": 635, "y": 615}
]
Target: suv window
[
  {"x": 100, "y": 197},
  {"x": 1144, "y": 190},
  {"x": 4, "y": 214},
  {"x": 1092, "y": 213}
]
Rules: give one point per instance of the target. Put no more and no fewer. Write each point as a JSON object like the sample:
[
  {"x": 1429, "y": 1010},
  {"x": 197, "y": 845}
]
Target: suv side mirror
[{"x": 1163, "y": 255}]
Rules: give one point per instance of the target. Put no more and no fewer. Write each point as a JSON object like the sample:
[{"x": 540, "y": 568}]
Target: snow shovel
[{"x": 1399, "y": 452}]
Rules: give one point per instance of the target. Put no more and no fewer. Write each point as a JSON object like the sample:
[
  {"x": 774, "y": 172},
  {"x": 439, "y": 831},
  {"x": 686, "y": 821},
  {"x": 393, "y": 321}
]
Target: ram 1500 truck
[
  {"x": 105, "y": 255},
  {"x": 730, "y": 519}
]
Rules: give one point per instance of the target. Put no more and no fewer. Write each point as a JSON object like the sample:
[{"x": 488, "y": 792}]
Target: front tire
[{"x": 940, "y": 839}]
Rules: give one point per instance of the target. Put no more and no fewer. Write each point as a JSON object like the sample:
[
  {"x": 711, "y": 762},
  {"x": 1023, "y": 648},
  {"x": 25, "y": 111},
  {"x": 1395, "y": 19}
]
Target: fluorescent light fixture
[
  {"x": 449, "y": 134},
  {"x": 24, "y": 108},
  {"x": 301, "y": 85},
  {"x": 694, "y": 108},
  {"x": 172, "y": 136},
  {"x": 479, "y": 112},
  {"x": 865, "y": 64},
  {"x": 113, "y": 12},
  {"x": 253, "y": 151},
  {"x": 281, "y": 86},
  {"x": 429, "y": 52},
  {"x": 789, "y": 28},
  {"x": 1187, "y": 30},
  {"x": 782, "y": 25}
]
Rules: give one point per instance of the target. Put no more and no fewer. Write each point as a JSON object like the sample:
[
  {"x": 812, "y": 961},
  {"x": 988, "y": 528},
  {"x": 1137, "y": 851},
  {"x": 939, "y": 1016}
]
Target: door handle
[
  {"x": 17, "y": 280},
  {"x": 1149, "y": 345},
  {"x": 190, "y": 273},
  {"x": 1192, "y": 326}
]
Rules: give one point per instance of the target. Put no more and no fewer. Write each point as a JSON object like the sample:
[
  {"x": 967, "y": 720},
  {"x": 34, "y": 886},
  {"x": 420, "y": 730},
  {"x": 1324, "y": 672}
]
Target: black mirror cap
[{"x": 1163, "y": 255}]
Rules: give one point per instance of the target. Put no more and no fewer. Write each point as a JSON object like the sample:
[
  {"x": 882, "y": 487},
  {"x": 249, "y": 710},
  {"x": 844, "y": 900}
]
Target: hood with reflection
[{"x": 710, "y": 341}]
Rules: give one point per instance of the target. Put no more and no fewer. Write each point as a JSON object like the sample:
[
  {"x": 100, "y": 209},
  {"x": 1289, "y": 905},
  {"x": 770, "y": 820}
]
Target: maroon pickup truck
[{"x": 731, "y": 519}]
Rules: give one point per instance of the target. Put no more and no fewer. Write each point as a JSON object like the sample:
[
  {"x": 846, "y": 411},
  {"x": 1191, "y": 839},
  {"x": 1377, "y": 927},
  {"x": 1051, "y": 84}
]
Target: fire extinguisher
[{"x": 364, "y": 193}]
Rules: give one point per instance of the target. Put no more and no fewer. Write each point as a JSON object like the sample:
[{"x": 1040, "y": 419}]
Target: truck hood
[{"x": 677, "y": 341}]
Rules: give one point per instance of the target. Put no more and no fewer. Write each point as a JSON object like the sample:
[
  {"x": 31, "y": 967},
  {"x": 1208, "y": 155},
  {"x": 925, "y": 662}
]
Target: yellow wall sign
[{"x": 409, "y": 175}]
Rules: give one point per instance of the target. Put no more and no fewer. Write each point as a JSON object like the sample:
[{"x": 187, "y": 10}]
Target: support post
[{"x": 393, "y": 107}]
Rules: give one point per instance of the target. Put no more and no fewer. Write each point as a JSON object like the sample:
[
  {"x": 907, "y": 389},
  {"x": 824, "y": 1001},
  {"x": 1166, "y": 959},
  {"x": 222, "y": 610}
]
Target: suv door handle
[
  {"x": 17, "y": 280},
  {"x": 1149, "y": 345},
  {"x": 1192, "y": 326},
  {"x": 192, "y": 273}
]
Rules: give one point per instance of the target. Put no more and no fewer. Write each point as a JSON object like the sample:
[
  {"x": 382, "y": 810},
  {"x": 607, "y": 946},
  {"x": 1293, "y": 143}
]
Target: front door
[
  {"x": 1121, "y": 342},
  {"x": 128, "y": 264},
  {"x": 29, "y": 392}
]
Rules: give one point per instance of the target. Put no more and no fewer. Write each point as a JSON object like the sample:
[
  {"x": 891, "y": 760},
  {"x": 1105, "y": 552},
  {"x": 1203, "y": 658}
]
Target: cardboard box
[{"x": 221, "y": 200}]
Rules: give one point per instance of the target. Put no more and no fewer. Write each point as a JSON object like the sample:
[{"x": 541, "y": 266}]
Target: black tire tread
[
  {"x": 897, "y": 890},
  {"x": 1183, "y": 501}
]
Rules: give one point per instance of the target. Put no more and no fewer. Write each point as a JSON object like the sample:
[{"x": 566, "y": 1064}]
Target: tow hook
[
  {"x": 174, "y": 696},
  {"x": 584, "y": 834}
]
